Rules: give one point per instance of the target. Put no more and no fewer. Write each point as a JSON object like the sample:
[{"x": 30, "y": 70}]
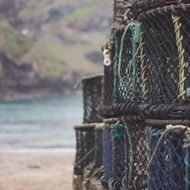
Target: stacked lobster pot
[
  {"x": 146, "y": 102},
  {"x": 125, "y": 165},
  {"x": 88, "y": 162},
  {"x": 166, "y": 54}
]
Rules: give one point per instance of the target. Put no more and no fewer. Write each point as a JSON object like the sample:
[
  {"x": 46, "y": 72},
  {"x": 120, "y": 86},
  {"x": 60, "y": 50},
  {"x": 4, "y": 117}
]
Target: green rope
[{"x": 129, "y": 82}]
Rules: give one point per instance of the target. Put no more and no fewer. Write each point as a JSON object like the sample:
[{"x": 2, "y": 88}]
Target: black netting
[
  {"x": 92, "y": 98},
  {"x": 85, "y": 148},
  {"x": 166, "y": 36},
  {"x": 136, "y": 156},
  {"x": 162, "y": 56}
]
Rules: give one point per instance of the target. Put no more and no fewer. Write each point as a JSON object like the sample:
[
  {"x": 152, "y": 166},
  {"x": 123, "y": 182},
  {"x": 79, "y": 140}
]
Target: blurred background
[{"x": 46, "y": 46}]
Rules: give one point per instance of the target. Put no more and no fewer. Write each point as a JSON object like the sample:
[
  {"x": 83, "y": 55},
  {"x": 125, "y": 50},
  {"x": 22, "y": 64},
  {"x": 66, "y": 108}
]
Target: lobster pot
[
  {"x": 85, "y": 147},
  {"x": 136, "y": 157},
  {"x": 92, "y": 98},
  {"x": 167, "y": 169},
  {"x": 118, "y": 155},
  {"x": 166, "y": 38}
]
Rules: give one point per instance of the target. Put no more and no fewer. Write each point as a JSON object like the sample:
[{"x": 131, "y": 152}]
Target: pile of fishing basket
[{"x": 136, "y": 131}]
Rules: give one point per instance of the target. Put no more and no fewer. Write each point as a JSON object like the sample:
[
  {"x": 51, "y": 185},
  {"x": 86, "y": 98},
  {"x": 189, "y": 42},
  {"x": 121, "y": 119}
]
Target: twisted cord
[
  {"x": 181, "y": 56},
  {"x": 144, "y": 67}
]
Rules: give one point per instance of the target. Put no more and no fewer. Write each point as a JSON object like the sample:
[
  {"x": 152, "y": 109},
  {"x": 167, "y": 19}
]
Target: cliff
[{"x": 47, "y": 45}]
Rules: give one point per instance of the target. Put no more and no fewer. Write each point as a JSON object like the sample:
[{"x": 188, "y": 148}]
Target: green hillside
[{"x": 57, "y": 38}]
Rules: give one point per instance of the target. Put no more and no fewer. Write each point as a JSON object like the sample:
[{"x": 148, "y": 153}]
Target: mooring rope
[{"x": 181, "y": 56}]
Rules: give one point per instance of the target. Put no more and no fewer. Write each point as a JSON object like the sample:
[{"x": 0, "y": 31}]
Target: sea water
[{"x": 40, "y": 123}]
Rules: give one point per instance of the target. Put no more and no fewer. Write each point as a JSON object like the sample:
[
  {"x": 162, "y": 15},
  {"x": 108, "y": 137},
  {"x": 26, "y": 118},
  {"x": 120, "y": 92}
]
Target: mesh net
[
  {"x": 166, "y": 36},
  {"x": 92, "y": 98},
  {"x": 137, "y": 156},
  {"x": 162, "y": 56},
  {"x": 168, "y": 167},
  {"x": 127, "y": 64},
  {"x": 85, "y": 149}
]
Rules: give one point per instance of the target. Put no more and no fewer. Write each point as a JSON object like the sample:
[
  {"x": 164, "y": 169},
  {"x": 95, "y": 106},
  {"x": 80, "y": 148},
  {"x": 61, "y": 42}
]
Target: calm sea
[{"x": 40, "y": 123}]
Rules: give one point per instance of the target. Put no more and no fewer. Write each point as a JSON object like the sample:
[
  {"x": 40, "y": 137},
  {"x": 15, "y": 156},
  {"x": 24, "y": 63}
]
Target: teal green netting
[{"x": 127, "y": 63}]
